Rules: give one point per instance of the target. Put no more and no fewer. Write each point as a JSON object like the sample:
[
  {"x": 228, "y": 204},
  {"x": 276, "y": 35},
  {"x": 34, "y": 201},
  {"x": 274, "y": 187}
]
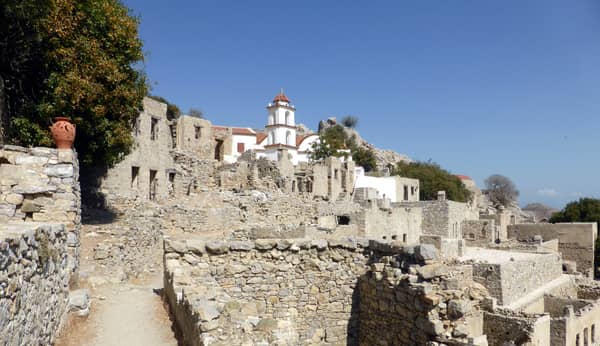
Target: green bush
[{"x": 432, "y": 179}]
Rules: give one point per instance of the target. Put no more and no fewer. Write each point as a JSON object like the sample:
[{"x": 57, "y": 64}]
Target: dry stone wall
[
  {"x": 42, "y": 185},
  {"x": 34, "y": 282},
  {"x": 328, "y": 292}
]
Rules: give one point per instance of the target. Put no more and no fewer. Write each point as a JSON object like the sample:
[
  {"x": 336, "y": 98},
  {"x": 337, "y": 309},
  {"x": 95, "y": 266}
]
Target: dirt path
[
  {"x": 123, "y": 314},
  {"x": 124, "y": 310}
]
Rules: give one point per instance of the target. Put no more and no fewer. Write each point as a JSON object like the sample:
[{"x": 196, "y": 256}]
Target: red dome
[{"x": 281, "y": 97}]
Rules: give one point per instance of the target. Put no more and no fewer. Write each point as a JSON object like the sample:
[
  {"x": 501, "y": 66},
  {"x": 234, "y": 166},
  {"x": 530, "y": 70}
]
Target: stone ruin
[{"x": 261, "y": 252}]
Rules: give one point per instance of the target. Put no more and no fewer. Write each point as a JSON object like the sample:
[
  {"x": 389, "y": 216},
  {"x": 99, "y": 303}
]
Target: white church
[{"x": 279, "y": 135}]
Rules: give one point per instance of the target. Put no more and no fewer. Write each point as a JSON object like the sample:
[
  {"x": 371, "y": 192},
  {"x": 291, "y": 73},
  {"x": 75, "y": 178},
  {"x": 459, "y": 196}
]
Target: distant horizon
[{"x": 505, "y": 88}]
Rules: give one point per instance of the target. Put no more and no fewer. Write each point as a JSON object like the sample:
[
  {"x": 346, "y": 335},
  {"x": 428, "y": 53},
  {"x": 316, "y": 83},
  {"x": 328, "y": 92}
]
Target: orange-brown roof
[
  {"x": 301, "y": 138},
  {"x": 242, "y": 131},
  {"x": 281, "y": 97},
  {"x": 463, "y": 177},
  {"x": 260, "y": 136}
]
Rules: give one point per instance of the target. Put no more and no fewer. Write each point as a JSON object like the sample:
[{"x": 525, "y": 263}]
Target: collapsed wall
[
  {"x": 299, "y": 291},
  {"x": 34, "y": 282}
]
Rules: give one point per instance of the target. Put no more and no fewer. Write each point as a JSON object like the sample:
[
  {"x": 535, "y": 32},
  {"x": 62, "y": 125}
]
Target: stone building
[{"x": 148, "y": 172}]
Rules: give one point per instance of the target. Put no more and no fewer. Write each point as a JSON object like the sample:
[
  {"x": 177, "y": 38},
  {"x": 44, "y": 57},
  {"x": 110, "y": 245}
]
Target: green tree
[
  {"x": 432, "y": 179},
  {"x": 84, "y": 56},
  {"x": 334, "y": 140},
  {"x": 365, "y": 158},
  {"x": 584, "y": 210}
]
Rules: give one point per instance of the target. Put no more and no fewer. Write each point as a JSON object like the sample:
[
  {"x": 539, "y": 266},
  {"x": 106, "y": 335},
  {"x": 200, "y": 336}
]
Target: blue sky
[{"x": 509, "y": 87}]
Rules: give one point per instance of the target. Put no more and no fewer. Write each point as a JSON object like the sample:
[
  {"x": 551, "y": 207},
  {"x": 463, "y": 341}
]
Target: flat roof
[{"x": 492, "y": 256}]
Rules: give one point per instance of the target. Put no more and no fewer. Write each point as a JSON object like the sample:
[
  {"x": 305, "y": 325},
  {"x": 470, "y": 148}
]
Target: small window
[
  {"x": 241, "y": 147},
  {"x": 405, "y": 193},
  {"x": 135, "y": 173},
  {"x": 343, "y": 220},
  {"x": 197, "y": 132},
  {"x": 137, "y": 126},
  {"x": 153, "y": 185},
  {"x": 394, "y": 237},
  {"x": 404, "y": 237},
  {"x": 412, "y": 190},
  {"x": 593, "y": 333},
  {"x": 288, "y": 118},
  {"x": 577, "y": 340},
  {"x": 336, "y": 174},
  {"x": 585, "y": 337},
  {"x": 171, "y": 183},
  {"x": 472, "y": 236},
  {"x": 154, "y": 129}
]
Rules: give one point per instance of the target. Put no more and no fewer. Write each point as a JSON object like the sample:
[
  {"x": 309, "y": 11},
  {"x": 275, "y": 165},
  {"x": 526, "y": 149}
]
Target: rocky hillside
[{"x": 384, "y": 157}]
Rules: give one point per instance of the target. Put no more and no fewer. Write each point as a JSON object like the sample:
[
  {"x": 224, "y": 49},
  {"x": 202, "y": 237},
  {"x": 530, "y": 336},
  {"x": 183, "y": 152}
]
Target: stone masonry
[
  {"x": 34, "y": 282},
  {"x": 42, "y": 185}
]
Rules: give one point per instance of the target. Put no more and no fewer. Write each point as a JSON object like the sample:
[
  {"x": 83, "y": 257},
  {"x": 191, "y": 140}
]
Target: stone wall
[
  {"x": 376, "y": 221},
  {"x": 441, "y": 217},
  {"x": 398, "y": 308},
  {"x": 271, "y": 291},
  {"x": 42, "y": 185},
  {"x": 478, "y": 232},
  {"x": 510, "y": 276},
  {"x": 505, "y": 327},
  {"x": 575, "y": 240},
  {"x": 34, "y": 282},
  {"x": 194, "y": 135}
]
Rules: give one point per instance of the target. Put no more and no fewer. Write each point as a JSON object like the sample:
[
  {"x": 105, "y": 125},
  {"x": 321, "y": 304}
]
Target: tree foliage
[
  {"x": 173, "y": 112},
  {"x": 335, "y": 141},
  {"x": 79, "y": 59},
  {"x": 350, "y": 121},
  {"x": 194, "y": 112},
  {"x": 432, "y": 179},
  {"x": 501, "y": 190},
  {"x": 584, "y": 210}
]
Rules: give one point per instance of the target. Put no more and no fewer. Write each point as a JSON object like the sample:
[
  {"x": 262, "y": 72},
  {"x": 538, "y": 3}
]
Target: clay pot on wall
[{"x": 63, "y": 133}]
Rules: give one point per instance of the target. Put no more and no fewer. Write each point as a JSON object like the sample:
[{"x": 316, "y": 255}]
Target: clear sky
[{"x": 480, "y": 87}]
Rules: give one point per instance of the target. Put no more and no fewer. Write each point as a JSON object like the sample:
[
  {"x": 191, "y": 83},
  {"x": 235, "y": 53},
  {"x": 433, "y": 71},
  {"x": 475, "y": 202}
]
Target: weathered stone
[
  {"x": 14, "y": 198},
  {"x": 207, "y": 311},
  {"x": 284, "y": 244},
  {"x": 430, "y": 271},
  {"x": 196, "y": 246},
  {"x": 79, "y": 302},
  {"x": 426, "y": 252},
  {"x": 319, "y": 244},
  {"x": 346, "y": 243},
  {"x": 33, "y": 189},
  {"x": 59, "y": 170},
  {"x": 30, "y": 207},
  {"x": 217, "y": 247},
  {"x": 458, "y": 308},
  {"x": 265, "y": 244},
  {"x": 266, "y": 325},
  {"x": 239, "y": 245},
  {"x": 178, "y": 246},
  {"x": 7, "y": 209}
]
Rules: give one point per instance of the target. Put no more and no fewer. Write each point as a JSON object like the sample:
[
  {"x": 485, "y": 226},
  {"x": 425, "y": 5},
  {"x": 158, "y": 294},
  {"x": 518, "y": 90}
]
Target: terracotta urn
[{"x": 63, "y": 132}]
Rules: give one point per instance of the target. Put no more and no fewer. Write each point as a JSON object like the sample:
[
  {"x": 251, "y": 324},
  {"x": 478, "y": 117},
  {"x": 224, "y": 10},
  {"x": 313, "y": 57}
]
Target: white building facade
[{"x": 278, "y": 138}]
